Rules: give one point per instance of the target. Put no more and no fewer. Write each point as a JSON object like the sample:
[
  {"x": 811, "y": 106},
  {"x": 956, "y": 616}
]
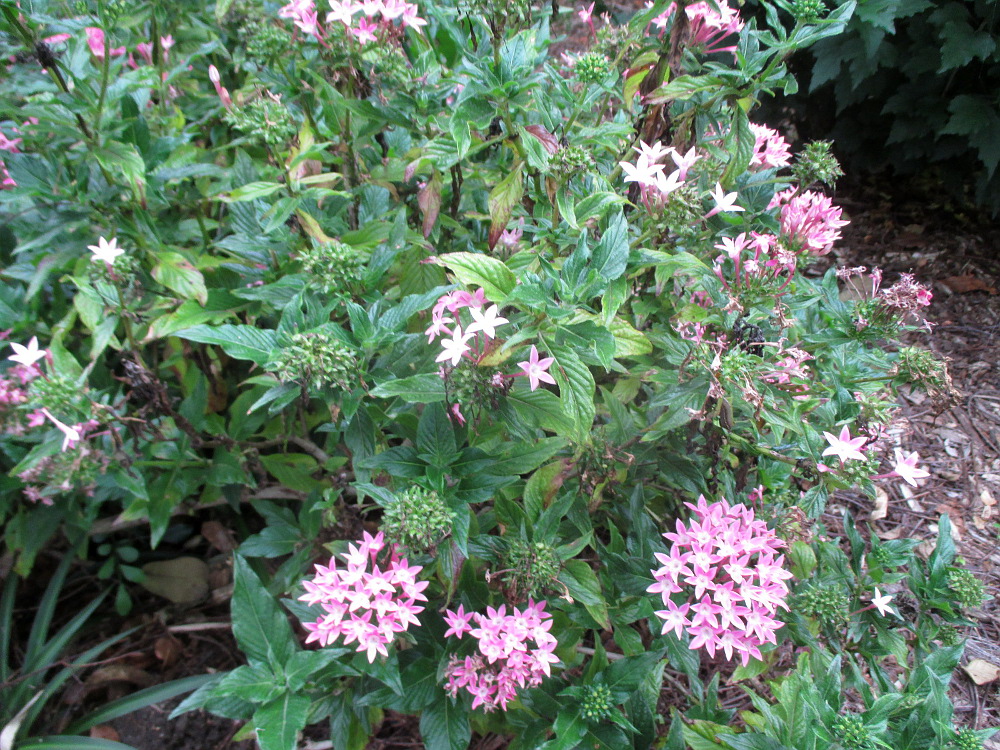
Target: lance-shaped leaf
[{"x": 503, "y": 198}]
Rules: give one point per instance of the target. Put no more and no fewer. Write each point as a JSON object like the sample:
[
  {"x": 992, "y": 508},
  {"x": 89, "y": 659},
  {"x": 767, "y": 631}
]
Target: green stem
[{"x": 761, "y": 450}]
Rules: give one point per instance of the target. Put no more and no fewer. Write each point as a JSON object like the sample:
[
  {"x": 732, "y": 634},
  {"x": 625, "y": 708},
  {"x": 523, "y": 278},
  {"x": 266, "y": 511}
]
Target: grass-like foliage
[{"x": 555, "y": 328}]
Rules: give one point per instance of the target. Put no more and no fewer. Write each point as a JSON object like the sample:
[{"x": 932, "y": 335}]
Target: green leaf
[
  {"x": 425, "y": 388},
  {"x": 610, "y": 255},
  {"x": 69, "y": 742},
  {"x": 240, "y": 342},
  {"x": 503, "y": 198},
  {"x": 260, "y": 628},
  {"x": 543, "y": 408},
  {"x": 474, "y": 269},
  {"x": 177, "y": 274},
  {"x": 445, "y": 726},
  {"x": 739, "y": 143},
  {"x": 123, "y": 160},
  {"x": 576, "y": 391},
  {"x": 252, "y": 191},
  {"x": 582, "y": 583},
  {"x": 138, "y": 700},
  {"x": 279, "y": 722},
  {"x": 541, "y": 487},
  {"x": 750, "y": 741}
]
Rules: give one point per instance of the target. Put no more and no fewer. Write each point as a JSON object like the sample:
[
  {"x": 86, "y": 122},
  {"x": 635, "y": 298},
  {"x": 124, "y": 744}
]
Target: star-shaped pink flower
[
  {"x": 845, "y": 447},
  {"x": 537, "y": 369},
  {"x": 907, "y": 469}
]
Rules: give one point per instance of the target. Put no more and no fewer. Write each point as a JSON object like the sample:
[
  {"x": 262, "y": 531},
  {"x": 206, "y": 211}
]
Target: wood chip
[
  {"x": 967, "y": 283},
  {"x": 881, "y": 509}
]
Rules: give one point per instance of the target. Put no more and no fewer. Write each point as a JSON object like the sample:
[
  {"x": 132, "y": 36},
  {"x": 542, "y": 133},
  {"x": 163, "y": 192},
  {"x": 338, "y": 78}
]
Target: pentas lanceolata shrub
[{"x": 533, "y": 374}]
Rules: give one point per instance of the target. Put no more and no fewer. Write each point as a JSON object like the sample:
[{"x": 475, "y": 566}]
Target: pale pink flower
[
  {"x": 71, "y": 435},
  {"x": 770, "y": 149},
  {"x": 724, "y": 202},
  {"x": 106, "y": 251},
  {"x": 586, "y": 14},
  {"x": 411, "y": 18},
  {"x": 27, "y": 355},
  {"x": 685, "y": 162},
  {"x": 906, "y": 468},
  {"x": 537, "y": 369},
  {"x": 341, "y": 11},
  {"x": 809, "y": 219},
  {"x": 223, "y": 92},
  {"x": 9, "y": 144},
  {"x": 881, "y": 603},
  {"x": 845, "y": 447},
  {"x": 643, "y": 171},
  {"x": 365, "y": 31},
  {"x": 455, "y": 347},
  {"x": 487, "y": 322}
]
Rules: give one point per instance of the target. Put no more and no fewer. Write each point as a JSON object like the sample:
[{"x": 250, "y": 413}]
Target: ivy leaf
[
  {"x": 177, "y": 274},
  {"x": 279, "y": 722},
  {"x": 503, "y": 198},
  {"x": 475, "y": 269},
  {"x": 240, "y": 342}
]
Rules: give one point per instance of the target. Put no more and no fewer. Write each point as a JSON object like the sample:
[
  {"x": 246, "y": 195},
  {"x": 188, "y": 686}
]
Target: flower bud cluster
[
  {"x": 265, "y": 118},
  {"x": 531, "y": 568},
  {"x": 317, "y": 360},
  {"x": 828, "y": 604},
  {"x": 596, "y": 704},
  {"x": 335, "y": 267},
  {"x": 966, "y": 739},
  {"x": 355, "y": 595},
  {"x": 969, "y": 591},
  {"x": 592, "y": 67},
  {"x": 851, "y": 733},
  {"x": 514, "y": 651},
  {"x": 726, "y": 565},
  {"x": 815, "y": 163},
  {"x": 571, "y": 160},
  {"x": 418, "y": 520}
]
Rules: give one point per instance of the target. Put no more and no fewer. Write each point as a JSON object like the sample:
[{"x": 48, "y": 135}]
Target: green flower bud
[
  {"x": 966, "y": 739},
  {"x": 592, "y": 68},
  {"x": 264, "y": 118},
  {"x": 419, "y": 520},
  {"x": 334, "y": 267},
  {"x": 851, "y": 733},
  {"x": 828, "y": 604},
  {"x": 969, "y": 590},
  {"x": 317, "y": 360},
  {"x": 808, "y": 11},
  {"x": 531, "y": 568},
  {"x": 596, "y": 704},
  {"x": 815, "y": 163}
]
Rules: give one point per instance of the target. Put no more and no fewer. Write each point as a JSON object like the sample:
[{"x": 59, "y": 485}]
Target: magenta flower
[
  {"x": 845, "y": 447},
  {"x": 515, "y": 651},
  {"x": 355, "y": 595},
  {"x": 365, "y": 31},
  {"x": 723, "y": 563},
  {"x": 537, "y": 369}
]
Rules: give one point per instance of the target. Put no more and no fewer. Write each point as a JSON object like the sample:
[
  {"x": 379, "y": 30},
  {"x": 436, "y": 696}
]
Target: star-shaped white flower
[
  {"x": 454, "y": 347},
  {"x": 881, "y": 603},
  {"x": 845, "y": 447},
  {"x": 907, "y": 469},
  {"x": 27, "y": 355},
  {"x": 725, "y": 202},
  {"x": 106, "y": 251},
  {"x": 487, "y": 322}
]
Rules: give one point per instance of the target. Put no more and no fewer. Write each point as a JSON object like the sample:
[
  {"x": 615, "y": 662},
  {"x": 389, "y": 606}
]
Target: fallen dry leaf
[
  {"x": 167, "y": 649},
  {"x": 967, "y": 283},
  {"x": 181, "y": 580},
  {"x": 982, "y": 671},
  {"x": 104, "y": 732},
  {"x": 881, "y": 509},
  {"x": 218, "y": 536},
  {"x": 987, "y": 498}
]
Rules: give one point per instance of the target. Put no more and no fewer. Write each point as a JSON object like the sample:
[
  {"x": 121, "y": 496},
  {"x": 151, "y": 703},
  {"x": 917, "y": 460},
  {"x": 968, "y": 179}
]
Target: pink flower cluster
[
  {"x": 708, "y": 26},
  {"x": 376, "y": 16},
  {"x": 768, "y": 260},
  {"x": 482, "y": 330},
  {"x": 770, "y": 150},
  {"x": 95, "y": 40},
  {"x": 808, "y": 219},
  {"x": 353, "y": 595},
  {"x": 725, "y": 562},
  {"x": 515, "y": 651},
  {"x": 10, "y": 146}
]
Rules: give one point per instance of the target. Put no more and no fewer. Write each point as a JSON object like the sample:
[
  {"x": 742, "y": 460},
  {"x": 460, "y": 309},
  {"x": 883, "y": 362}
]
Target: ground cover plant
[{"x": 556, "y": 329}]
